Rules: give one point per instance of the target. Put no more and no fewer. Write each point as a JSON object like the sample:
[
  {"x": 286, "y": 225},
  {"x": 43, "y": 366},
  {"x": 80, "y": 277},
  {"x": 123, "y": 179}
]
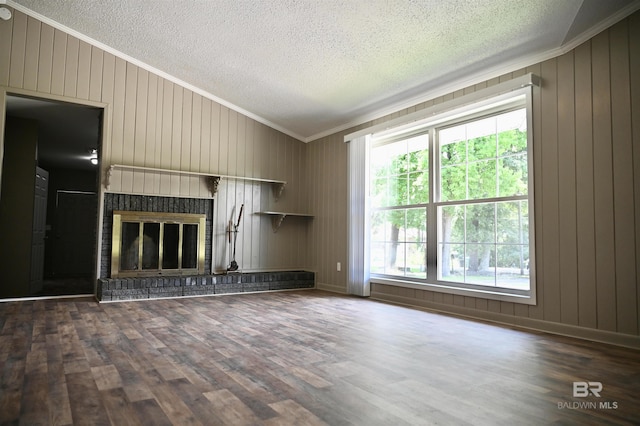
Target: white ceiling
[{"x": 312, "y": 67}]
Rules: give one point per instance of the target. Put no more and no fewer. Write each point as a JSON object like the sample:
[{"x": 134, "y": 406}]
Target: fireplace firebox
[{"x": 150, "y": 243}]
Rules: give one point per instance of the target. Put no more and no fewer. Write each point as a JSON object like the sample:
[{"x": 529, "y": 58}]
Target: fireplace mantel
[{"x": 277, "y": 186}]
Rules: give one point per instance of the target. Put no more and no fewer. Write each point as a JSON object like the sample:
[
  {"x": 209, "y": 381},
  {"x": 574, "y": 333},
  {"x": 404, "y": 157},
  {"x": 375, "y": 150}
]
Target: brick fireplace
[
  {"x": 152, "y": 204},
  {"x": 154, "y": 282}
]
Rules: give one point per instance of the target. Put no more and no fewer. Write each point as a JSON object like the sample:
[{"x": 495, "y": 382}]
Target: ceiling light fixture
[
  {"x": 94, "y": 156},
  {"x": 5, "y": 14}
]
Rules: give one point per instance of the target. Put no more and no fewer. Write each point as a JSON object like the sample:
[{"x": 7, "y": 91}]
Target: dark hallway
[{"x": 63, "y": 147}]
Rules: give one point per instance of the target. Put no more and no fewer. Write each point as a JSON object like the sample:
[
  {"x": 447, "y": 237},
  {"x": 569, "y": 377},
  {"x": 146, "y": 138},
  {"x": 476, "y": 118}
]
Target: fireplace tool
[{"x": 233, "y": 229}]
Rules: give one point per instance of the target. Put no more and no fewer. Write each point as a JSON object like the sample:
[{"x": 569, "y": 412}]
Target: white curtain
[{"x": 358, "y": 218}]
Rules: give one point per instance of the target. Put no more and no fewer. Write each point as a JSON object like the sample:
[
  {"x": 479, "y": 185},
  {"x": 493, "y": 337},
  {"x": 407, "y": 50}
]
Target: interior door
[
  {"x": 38, "y": 233},
  {"x": 75, "y": 233}
]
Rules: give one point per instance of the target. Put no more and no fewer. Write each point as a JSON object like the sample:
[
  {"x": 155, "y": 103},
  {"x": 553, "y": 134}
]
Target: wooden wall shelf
[
  {"x": 278, "y": 217},
  {"x": 213, "y": 178}
]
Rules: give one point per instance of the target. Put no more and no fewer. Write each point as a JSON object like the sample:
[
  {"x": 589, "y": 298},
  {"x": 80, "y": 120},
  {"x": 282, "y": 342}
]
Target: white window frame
[{"x": 480, "y": 103}]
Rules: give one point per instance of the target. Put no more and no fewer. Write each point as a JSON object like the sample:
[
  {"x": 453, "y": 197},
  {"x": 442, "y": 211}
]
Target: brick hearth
[{"x": 110, "y": 289}]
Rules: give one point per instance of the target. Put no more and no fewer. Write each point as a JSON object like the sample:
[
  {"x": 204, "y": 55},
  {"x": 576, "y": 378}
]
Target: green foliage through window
[{"x": 481, "y": 203}]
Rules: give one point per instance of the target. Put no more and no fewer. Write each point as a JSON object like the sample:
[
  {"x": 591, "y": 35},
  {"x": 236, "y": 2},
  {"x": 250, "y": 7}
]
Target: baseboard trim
[
  {"x": 330, "y": 287},
  {"x": 567, "y": 330}
]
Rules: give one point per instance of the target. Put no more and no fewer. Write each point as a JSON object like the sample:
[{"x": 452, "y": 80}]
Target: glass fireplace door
[{"x": 146, "y": 244}]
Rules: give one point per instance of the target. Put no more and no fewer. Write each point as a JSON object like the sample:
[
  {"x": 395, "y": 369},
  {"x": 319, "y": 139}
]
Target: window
[
  {"x": 400, "y": 195},
  {"x": 483, "y": 211},
  {"x": 450, "y": 198}
]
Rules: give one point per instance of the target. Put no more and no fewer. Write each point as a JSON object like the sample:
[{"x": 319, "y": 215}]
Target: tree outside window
[
  {"x": 482, "y": 206},
  {"x": 484, "y": 243},
  {"x": 400, "y": 192}
]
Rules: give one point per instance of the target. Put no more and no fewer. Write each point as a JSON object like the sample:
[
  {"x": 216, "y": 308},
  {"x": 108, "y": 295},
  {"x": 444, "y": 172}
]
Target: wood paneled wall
[
  {"x": 154, "y": 122},
  {"x": 587, "y": 188}
]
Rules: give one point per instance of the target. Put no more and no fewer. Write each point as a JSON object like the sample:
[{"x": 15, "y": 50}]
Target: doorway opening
[{"x": 49, "y": 198}]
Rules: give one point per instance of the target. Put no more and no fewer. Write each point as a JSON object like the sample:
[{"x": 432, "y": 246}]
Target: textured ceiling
[{"x": 310, "y": 67}]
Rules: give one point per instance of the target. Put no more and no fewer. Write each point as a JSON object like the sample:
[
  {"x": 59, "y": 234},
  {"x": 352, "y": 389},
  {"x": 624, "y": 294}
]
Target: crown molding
[
  {"x": 149, "y": 68},
  {"x": 483, "y": 75},
  {"x": 476, "y": 78}
]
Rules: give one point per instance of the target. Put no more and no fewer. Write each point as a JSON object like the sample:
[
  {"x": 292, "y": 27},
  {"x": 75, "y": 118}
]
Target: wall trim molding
[
  {"x": 151, "y": 69},
  {"x": 602, "y": 336},
  {"x": 330, "y": 287},
  {"x": 482, "y": 75},
  {"x": 439, "y": 89}
]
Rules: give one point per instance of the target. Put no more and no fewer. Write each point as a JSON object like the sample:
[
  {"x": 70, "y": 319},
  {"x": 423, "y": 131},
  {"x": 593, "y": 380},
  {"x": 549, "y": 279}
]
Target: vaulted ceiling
[{"x": 312, "y": 67}]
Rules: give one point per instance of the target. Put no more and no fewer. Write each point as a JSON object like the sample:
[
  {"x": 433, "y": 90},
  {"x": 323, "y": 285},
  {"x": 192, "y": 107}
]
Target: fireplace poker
[{"x": 234, "y": 264}]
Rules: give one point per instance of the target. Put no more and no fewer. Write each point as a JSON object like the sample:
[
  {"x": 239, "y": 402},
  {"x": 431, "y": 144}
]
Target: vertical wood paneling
[
  {"x": 260, "y": 136},
  {"x": 95, "y": 75},
  {"x": 481, "y": 304},
  {"x": 232, "y": 205},
  {"x": 263, "y": 226},
  {"x": 251, "y": 243},
  {"x": 603, "y": 189},
  {"x": 293, "y": 176},
  {"x": 315, "y": 192},
  {"x": 568, "y": 256},
  {"x": 241, "y": 148},
  {"x": 298, "y": 245},
  {"x": 312, "y": 189},
  {"x": 18, "y": 48},
  {"x": 158, "y": 124},
  {"x": 634, "y": 66},
  {"x": 167, "y": 133},
  {"x": 625, "y": 256},
  {"x": 223, "y": 141},
  {"x": 58, "y": 63},
  {"x": 129, "y": 127},
  {"x": 256, "y": 223},
  {"x": 45, "y": 60},
  {"x": 232, "y": 143},
  {"x": 84, "y": 70},
  {"x": 32, "y": 54},
  {"x": 71, "y": 67},
  {"x": 326, "y": 176},
  {"x": 6, "y": 38},
  {"x": 585, "y": 218},
  {"x": 176, "y": 138},
  {"x": 159, "y": 134},
  {"x": 205, "y": 134},
  {"x": 214, "y": 144},
  {"x": 151, "y": 142},
  {"x": 587, "y": 187},
  {"x": 239, "y": 196},
  {"x": 185, "y": 141},
  {"x": 250, "y": 144},
  {"x": 115, "y": 152},
  {"x": 550, "y": 275},
  {"x": 242, "y": 195},
  {"x": 507, "y": 308},
  {"x": 196, "y": 143},
  {"x": 139, "y": 139},
  {"x": 107, "y": 96}
]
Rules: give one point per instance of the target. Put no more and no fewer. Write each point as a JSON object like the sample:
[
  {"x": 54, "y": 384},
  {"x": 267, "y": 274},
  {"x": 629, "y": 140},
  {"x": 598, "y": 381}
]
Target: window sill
[{"x": 449, "y": 289}]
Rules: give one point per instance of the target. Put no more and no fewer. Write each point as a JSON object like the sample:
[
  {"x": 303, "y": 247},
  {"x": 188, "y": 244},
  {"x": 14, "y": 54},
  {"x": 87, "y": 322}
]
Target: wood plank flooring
[{"x": 295, "y": 358}]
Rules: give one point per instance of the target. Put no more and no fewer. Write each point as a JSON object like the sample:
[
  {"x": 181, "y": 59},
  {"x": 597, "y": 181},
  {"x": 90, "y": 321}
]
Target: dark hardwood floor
[{"x": 303, "y": 358}]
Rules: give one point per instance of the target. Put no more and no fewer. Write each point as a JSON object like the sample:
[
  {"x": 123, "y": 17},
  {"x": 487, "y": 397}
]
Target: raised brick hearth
[{"x": 110, "y": 289}]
